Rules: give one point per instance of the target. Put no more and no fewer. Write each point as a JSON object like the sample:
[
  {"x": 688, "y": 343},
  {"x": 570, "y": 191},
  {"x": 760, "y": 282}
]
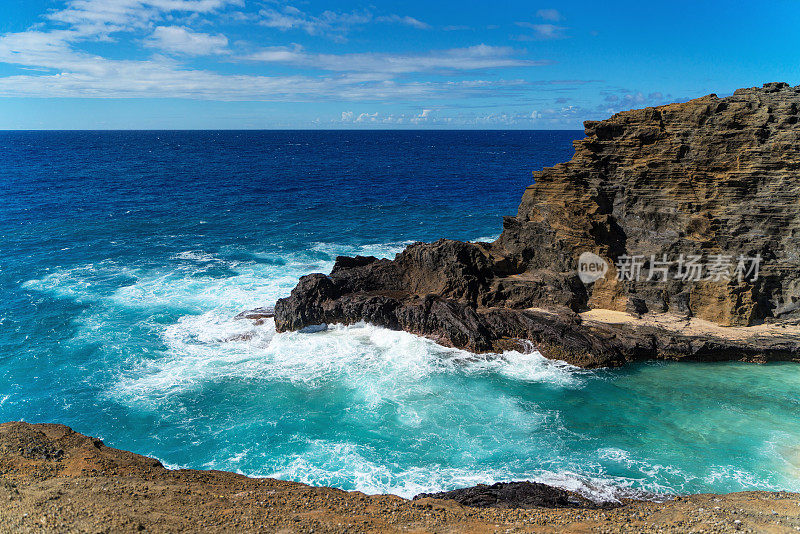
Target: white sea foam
[
  {"x": 379, "y": 250},
  {"x": 207, "y": 344},
  {"x": 211, "y": 347},
  {"x": 197, "y": 255},
  {"x": 782, "y": 448},
  {"x": 653, "y": 472},
  {"x": 528, "y": 366},
  {"x": 187, "y": 283},
  {"x": 327, "y": 463},
  {"x": 487, "y": 239},
  {"x": 85, "y": 283},
  {"x": 332, "y": 463}
]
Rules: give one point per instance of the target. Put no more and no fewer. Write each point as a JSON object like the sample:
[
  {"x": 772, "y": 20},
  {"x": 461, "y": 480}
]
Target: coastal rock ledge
[{"x": 714, "y": 178}]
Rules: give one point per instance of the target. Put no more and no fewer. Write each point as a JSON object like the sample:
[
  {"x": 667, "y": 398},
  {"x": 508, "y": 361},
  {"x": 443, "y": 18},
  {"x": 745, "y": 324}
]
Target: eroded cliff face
[{"x": 714, "y": 178}]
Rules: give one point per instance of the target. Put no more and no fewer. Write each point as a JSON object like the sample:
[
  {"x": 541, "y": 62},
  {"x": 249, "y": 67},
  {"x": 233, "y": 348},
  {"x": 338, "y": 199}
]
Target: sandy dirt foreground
[{"x": 55, "y": 480}]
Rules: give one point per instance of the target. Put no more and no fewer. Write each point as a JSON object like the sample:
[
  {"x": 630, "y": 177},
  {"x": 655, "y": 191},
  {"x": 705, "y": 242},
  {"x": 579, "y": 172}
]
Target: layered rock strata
[{"x": 714, "y": 181}]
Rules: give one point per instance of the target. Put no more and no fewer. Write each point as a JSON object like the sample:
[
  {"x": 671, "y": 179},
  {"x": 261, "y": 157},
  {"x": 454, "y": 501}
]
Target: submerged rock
[
  {"x": 258, "y": 315},
  {"x": 713, "y": 178}
]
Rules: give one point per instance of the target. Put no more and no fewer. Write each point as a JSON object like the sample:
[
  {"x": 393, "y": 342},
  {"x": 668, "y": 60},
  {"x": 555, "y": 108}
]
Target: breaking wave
[{"x": 366, "y": 408}]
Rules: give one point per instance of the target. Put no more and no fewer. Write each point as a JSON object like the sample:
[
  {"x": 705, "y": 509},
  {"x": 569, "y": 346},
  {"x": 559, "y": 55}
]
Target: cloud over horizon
[
  {"x": 416, "y": 64},
  {"x": 78, "y": 73},
  {"x": 471, "y": 58}
]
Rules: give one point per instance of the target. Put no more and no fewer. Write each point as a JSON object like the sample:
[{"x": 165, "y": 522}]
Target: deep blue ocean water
[{"x": 125, "y": 255}]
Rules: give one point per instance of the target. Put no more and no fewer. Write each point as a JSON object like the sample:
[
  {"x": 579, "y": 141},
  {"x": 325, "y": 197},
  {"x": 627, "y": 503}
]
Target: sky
[{"x": 319, "y": 64}]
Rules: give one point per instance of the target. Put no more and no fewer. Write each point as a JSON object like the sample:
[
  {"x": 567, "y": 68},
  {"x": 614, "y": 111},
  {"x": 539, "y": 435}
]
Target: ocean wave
[
  {"x": 486, "y": 239},
  {"x": 379, "y": 250},
  {"x": 198, "y": 281},
  {"x": 85, "y": 283},
  {"x": 347, "y": 465},
  {"x": 376, "y": 360}
]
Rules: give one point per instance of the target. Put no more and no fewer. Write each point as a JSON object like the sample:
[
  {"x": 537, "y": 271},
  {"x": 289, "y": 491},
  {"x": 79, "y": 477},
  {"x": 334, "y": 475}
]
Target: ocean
[{"x": 124, "y": 257}]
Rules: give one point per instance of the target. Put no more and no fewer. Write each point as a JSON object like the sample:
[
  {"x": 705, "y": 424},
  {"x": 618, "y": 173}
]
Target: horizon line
[{"x": 9, "y": 130}]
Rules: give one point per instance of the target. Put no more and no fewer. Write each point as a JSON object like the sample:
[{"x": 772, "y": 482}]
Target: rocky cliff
[{"x": 693, "y": 209}]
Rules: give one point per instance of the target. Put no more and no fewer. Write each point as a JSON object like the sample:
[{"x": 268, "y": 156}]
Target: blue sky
[{"x": 142, "y": 64}]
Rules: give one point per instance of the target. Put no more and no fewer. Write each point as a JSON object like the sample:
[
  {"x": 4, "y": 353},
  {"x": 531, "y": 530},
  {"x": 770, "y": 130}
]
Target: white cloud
[
  {"x": 544, "y": 31},
  {"x": 81, "y": 75},
  {"x": 65, "y": 70},
  {"x": 328, "y": 23},
  {"x": 552, "y": 15},
  {"x": 368, "y": 117},
  {"x": 455, "y": 59},
  {"x": 36, "y": 49},
  {"x": 565, "y": 116},
  {"x": 624, "y": 99},
  {"x": 179, "y": 40},
  {"x": 408, "y": 21},
  {"x": 102, "y": 17}
]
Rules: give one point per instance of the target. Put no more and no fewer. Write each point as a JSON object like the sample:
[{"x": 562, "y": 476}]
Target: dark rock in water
[
  {"x": 712, "y": 177},
  {"x": 258, "y": 314},
  {"x": 517, "y": 495}
]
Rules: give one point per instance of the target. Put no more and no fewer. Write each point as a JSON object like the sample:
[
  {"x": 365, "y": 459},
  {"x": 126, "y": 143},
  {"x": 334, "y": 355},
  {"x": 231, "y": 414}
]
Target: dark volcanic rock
[
  {"x": 257, "y": 314},
  {"x": 516, "y": 495},
  {"x": 712, "y": 176}
]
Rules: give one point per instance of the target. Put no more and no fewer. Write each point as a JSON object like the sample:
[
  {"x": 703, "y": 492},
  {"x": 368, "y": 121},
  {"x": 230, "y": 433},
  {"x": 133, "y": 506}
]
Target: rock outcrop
[
  {"x": 511, "y": 495},
  {"x": 693, "y": 207}
]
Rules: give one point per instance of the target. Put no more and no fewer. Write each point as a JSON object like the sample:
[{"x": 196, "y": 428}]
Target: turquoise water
[{"x": 127, "y": 255}]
